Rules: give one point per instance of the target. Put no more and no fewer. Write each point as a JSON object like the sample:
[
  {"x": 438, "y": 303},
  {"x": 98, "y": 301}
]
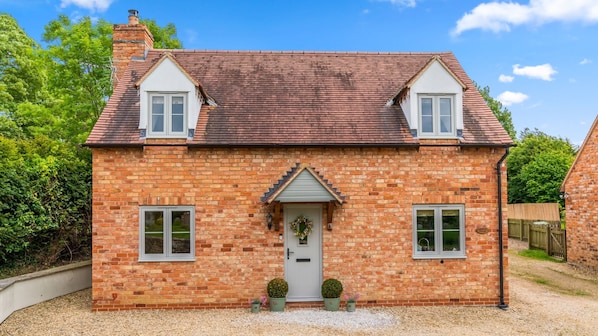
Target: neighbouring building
[
  {"x": 203, "y": 162},
  {"x": 580, "y": 189}
]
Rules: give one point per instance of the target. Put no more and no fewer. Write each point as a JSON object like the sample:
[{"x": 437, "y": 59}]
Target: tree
[
  {"x": 164, "y": 38},
  {"x": 80, "y": 72},
  {"x": 81, "y": 68},
  {"x": 49, "y": 101},
  {"x": 502, "y": 113},
  {"x": 537, "y": 166},
  {"x": 22, "y": 75}
]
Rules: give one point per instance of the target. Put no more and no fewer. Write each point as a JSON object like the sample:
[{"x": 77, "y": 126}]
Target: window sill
[
  {"x": 171, "y": 259},
  {"x": 181, "y": 136},
  {"x": 436, "y": 256}
]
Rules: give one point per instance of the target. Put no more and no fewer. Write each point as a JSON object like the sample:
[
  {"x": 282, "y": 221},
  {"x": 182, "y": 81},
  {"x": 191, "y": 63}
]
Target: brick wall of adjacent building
[
  {"x": 369, "y": 249},
  {"x": 581, "y": 205}
]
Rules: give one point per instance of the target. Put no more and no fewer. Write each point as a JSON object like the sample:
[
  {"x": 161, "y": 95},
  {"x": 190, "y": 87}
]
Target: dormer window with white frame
[
  {"x": 168, "y": 115},
  {"x": 169, "y": 101},
  {"x": 436, "y": 116},
  {"x": 432, "y": 101}
]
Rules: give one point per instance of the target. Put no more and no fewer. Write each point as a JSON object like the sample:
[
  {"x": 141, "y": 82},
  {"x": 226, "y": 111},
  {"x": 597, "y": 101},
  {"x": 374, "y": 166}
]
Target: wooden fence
[
  {"x": 542, "y": 235},
  {"x": 534, "y": 211}
]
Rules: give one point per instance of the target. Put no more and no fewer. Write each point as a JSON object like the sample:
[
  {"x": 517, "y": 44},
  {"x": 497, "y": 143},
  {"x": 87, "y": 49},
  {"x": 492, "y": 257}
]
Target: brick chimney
[{"x": 129, "y": 40}]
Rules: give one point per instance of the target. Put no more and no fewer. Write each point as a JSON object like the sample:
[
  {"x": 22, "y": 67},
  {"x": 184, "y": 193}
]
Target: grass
[{"x": 538, "y": 255}]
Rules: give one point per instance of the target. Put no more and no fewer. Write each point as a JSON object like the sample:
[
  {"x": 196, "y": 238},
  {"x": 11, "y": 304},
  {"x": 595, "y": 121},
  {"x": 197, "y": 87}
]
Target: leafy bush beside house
[
  {"x": 50, "y": 98},
  {"x": 45, "y": 204}
]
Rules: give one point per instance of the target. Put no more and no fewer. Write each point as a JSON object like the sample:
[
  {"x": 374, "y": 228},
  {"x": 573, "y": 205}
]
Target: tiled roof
[{"x": 296, "y": 99}]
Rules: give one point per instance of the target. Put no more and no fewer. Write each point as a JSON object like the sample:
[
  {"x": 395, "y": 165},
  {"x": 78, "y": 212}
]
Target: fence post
[
  {"x": 565, "y": 244},
  {"x": 529, "y": 236},
  {"x": 521, "y": 229},
  {"x": 548, "y": 241}
]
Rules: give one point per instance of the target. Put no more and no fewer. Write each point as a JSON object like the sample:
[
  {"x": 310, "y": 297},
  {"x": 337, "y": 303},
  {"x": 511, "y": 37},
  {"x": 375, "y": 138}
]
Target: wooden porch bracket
[
  {"x": 330, "y": 212},
  {"x": 277, "y": 215}
]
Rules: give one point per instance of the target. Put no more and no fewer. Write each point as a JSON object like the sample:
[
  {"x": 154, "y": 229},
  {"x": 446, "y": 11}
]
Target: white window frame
[
  {"x": 167, "y": 124},
  {"x": 436, "y": 122},
  {"x": 419, "y": 245},
  {"x": 167, "y": 254}
]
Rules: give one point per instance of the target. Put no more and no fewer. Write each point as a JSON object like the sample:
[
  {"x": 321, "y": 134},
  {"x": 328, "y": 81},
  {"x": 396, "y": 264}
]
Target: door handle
[{"x": 289, "y": 253}]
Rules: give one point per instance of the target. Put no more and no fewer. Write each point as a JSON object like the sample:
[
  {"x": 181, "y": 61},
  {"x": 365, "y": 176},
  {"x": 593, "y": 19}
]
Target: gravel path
[{"x": 535, "y": 309}]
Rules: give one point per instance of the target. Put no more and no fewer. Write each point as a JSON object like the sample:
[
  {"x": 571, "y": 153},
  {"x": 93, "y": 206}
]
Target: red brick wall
[
  {"x": 369, "y": 249},
  {"x": 581, "y": 205}
]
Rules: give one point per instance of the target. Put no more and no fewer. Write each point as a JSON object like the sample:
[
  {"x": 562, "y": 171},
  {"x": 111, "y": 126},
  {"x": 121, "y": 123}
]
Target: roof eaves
[{"x": 404, "y": 90}]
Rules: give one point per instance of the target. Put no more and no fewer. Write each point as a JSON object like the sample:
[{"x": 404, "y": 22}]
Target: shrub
[
  {"x": 331, "y": 289},
  {"x": 278, "y": 288},
  {"x": 45, "y": 203}
]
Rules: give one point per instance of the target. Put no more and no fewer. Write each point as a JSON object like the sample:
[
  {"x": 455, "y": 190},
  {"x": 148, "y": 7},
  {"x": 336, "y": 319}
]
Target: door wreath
[{"x": 301, "y": 227}]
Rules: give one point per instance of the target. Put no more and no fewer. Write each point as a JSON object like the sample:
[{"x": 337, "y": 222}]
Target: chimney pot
[{"x": 133, "y": 16}]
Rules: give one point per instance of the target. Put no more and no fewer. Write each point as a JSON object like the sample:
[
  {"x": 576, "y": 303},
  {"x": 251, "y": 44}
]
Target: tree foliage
[
  {"x": 49, "y": 101},
  {"x": 164, "y": 37},
  {"x": 21, "y": 73},
  {"x": 537, "y": 166},
  {"x": 502, "y": 113},
  {"x": 79, "y": 72}
]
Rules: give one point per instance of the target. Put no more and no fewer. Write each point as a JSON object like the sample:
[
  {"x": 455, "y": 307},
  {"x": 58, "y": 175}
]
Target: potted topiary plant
[
  {"x": 331, "y": 292},
  {"x": 277, "y": 291}
]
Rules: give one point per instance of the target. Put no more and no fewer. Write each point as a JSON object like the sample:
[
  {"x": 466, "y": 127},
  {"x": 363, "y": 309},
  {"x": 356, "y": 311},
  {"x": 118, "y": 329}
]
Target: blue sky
[{"x": 539, "y": 57}]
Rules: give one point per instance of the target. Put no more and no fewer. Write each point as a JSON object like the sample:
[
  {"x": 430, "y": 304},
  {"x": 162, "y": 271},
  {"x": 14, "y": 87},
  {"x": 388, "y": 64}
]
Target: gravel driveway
[{"x": 538, "y": 307}]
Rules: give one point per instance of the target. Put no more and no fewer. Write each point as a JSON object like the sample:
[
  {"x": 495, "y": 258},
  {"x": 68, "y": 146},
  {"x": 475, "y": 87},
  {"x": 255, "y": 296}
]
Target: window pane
[
  {"x": 425, "y": 230},
  {"x": 450, "y": 219},
  {"x": 427, "y": 115},
  {"x": 178, "y": 114},
  {"x": 178, "y": 123},
  {"x": 178, "y": 105},
  {"x": 181, "y": 232},
  {"x": 450, "y": 230},
  {"x": 451, "y": 241},
  {"x": 425, "y": 220},
  {"x": 425, "y": 241},
  {"x": 157, "y": 114},
  {"x": 445, "y": 115},
  {"x": 154, "y": 232}
]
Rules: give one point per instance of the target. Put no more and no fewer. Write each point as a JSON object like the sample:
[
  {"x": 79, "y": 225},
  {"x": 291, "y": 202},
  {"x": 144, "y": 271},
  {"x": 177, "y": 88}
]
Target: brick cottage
[
  {"x": 204, "y": 160},
  {"x": 580, "y": 189}
]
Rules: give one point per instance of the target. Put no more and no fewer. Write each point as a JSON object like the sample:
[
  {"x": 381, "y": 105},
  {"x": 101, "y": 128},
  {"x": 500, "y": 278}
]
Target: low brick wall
[{"x": 29, "y": 289}]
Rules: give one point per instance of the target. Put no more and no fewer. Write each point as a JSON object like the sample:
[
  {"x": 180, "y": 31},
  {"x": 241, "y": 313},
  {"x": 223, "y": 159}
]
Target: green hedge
[{"x": 45, "y": 201}]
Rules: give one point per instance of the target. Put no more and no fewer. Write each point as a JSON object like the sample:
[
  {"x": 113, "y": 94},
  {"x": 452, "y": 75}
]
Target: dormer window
[
  {"x": 436, "y": 116},
  {"x": 169, "y": 101},
  {"x": 432, "y": 101},
  {"x": 167, "y": 115}
]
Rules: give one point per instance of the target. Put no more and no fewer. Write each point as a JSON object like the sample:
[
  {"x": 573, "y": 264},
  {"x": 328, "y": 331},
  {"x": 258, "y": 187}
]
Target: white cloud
[
  {"x": 501, "y": 16},
  {"x": 543, "y": 72},
  {"x": 505, "y": 79},
  {"x": 585, "y": 61},
  {"x": 365, "y": 11},
  {"x": 508, "y": 98},
  {"x": 401, "y": 3},
  {"x": 92, "y": 5}
]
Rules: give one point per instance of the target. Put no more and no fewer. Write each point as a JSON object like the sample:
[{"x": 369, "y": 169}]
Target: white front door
[{"x": 303, "y": 258}]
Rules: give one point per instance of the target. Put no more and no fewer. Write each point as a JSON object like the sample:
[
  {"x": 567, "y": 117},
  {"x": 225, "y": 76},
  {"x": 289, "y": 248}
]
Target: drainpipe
[{"x": 502, "y": 305}]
